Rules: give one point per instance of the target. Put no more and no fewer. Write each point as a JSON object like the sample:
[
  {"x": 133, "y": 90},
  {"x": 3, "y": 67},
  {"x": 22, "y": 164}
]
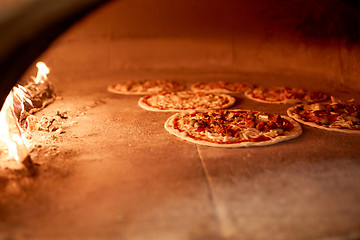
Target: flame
[
  {"x": 10, "y": 130},
  {"x": 42, "y": 73},
  {"x": 21, "y": 95}
]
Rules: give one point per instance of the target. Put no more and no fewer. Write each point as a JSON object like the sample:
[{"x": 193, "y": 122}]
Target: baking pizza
[
  {"x": 144, "y": 87},
  {"x": 185, "y": 100},
  {"x": 232, "y": 128},
  {"x": 221, "y": 87},
  {"x": 285, "y": 95},
  {"x": 333, "y": 116}
]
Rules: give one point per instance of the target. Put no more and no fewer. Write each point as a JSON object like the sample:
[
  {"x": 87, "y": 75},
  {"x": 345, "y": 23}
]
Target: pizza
[
  {"x": 221, "y": 87},
  {"x": 185, "y": 100},
  {"x": 332, "y": 116},
  {"x": 232, "y": 128},
  {"x": 144, "y": 87},
  {"x": 285, "y": 95}
]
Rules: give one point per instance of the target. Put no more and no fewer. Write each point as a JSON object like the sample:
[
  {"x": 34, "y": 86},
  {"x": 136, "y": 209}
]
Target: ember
[{"x": 49, "y": 124}]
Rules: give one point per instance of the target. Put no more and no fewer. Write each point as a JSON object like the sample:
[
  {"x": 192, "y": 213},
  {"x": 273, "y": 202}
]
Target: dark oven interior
[{"x": 106, "y": 169}]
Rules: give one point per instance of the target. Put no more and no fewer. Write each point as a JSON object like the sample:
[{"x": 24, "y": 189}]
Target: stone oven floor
[{"x": 117, "y": 174}]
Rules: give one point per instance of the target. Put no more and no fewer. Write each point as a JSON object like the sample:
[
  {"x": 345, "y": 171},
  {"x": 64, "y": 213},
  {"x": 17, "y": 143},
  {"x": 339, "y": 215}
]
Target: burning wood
[
  {"x": 40, "y": 91},
  {"x": 18, "y": 107}
]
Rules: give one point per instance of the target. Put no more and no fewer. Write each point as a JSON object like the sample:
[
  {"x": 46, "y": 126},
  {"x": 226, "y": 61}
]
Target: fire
[
  {"x": 42, "y": 73},
  {"x": 21, "y": 95},
  {"x": 11, "y": 132}
]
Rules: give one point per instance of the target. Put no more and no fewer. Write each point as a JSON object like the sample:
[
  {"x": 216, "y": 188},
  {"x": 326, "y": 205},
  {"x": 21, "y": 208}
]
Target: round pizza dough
[
  {"x": 295, "y": 116},
  {"x": 169, "y": 126},
  {"x": 249, "y": 94},
  {"x": 185, "y": 100},
  {"x": 144, "y": 87},
  {"x": 221, "y": 87}
]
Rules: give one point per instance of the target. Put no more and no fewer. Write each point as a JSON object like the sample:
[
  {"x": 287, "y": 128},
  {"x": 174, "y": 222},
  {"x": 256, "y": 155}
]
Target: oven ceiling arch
[{"x": 28, "y": 29}]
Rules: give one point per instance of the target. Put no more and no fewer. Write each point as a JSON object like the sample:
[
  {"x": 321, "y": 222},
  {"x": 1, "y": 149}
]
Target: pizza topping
[
  {"x": 186, "y": 100},
  {"x": 285, "y": 95},
  {"x": 234, "y": 126},
  {"x": 315, "y": 107},
  {"x": 325, "y": 121}
]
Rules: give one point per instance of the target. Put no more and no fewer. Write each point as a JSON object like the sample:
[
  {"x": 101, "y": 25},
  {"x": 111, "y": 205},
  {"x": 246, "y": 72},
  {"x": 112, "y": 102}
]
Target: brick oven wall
[{"x": 229, "y": 36}]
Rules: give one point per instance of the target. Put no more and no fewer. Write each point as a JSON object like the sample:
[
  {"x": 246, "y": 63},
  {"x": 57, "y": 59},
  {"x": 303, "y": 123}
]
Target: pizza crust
[
  {"x": 295, "y": 116},
  {"x": 143, "y": 103},
  {"x": 295, "y": 132},
  {"x": 248, "y": 94}
]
